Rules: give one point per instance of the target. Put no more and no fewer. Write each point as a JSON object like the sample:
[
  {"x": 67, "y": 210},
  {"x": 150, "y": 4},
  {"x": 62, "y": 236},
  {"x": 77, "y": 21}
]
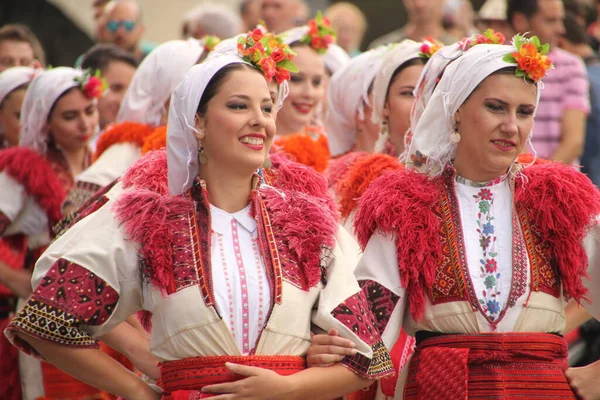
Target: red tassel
[{"x": 337, "y": 169}]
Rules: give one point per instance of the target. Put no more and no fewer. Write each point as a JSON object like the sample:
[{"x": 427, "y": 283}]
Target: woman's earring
[
  {"x": 201, "y": 154},
  {"x": 267, "y": 163},
  {"x": 455, "y": 136}
]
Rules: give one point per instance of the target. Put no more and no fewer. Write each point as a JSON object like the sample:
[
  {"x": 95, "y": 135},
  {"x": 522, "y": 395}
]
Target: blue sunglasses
[{"x": 113, "y": 25}]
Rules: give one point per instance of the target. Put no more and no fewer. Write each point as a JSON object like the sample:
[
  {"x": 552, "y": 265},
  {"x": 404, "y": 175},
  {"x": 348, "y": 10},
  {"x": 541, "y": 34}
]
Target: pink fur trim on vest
[
  {"x": 35, "y": 173},
  {"x": 563, "y": 204},
  {"x": 559, "y": 200}
]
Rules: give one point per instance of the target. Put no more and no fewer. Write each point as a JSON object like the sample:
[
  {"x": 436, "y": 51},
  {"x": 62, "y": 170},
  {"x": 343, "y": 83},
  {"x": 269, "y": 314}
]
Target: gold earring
[
  {"x": 267, "y": 163},
  {"x": 455, "y": 136},
  {"x": 201, "y": 154}
]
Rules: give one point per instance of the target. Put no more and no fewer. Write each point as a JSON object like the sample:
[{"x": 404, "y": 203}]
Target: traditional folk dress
[{"x": 245, "y": 290}]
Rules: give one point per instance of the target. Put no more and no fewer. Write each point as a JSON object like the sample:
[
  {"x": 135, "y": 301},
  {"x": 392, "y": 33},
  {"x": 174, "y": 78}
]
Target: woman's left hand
[
  {"x": 584, "y": 381},
  {"x": 259, "y": 384}
]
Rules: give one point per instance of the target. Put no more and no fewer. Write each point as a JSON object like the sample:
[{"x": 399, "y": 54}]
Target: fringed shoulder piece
[
  {"x": 36, "y": 174},
  {"x": 306, "y": 224},
  {"x": 359, "y": 176},
  {"x": 149, "y": 172},
  {"x": 338, "y": 167},
  {"x": 562, "y": 203},
  {"x": 290, "y": 175},
  {"x": 156, "y": 141},
  {"x": 309, "y": 148},
  {"x": 401, "y": 204},
  {"x": 121, "y": 133}
]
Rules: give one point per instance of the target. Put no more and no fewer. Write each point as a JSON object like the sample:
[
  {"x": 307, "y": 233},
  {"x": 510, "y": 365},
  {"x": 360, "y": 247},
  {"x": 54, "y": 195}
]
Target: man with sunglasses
[{"x": 122, "y": 25}]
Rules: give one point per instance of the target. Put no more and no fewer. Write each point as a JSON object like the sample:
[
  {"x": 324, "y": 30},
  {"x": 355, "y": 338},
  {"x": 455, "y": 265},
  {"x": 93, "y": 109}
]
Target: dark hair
[
  {"x": 101, "y": 55},
  {"x": 22, "y": 33},
  {"x": 63, "y": 94},
  {"x": 525, "y": 7},
  {"x": 574, "y": 32},
  {"x": 410, "y": 63},
  {"x": 20, "y": 87},
  {"x": 215, "y": 83}
]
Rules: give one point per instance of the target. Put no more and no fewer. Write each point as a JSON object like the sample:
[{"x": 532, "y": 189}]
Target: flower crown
[
  {"x": 210, "y": 42},
  {"x": 268, "y": 53},
  {"x": 530, "y": 57},
  {"x": 93, "y": 85},
  {"x": 490, "y": 36},
  {"x": 429, "y": 47},
  {"x": 320, "y": 34}
]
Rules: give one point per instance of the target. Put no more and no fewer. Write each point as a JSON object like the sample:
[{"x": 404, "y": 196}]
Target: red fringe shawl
[
  {"x": 35, "y": 173},
  {"x": 359, "y": 176},
  {"x": 558, "y": 199},
  {"x": 120, "y": 133},
  {"x": 338, "y": 167},
  {"x": 306, "y": 221}
]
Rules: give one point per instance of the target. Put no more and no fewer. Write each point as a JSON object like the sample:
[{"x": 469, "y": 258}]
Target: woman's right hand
[
  {"x": 143, "y": 391},
  {"x": 326, "y": 350}
]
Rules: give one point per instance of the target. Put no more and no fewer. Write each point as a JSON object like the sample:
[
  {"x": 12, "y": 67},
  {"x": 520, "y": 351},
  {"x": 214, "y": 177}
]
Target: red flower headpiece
[
  {"x": 320, "y": 34},
  {"x": 268, "y": 53},
  {"x": 429, "y": 47},
  {"x": 210, "y": 42},
  {"x": 530, "y": 57},
  {"x": 94, "y": 85},
  {"x": 490, "y": 36}
]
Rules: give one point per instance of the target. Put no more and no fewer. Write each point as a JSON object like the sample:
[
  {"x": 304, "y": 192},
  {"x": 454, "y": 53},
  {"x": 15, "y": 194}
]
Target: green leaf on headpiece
[
  {"x": 536, "y": 41},
  {"x": 545, "y": 49},
  {"x": 319, "y": 17},
  {"x": 509, "y": 59},
  {"x": 287, "y": 64},
  {"x": 520, "y": 73},
  {"x": 518, "y": 41},
  {"x": 97, "y": 74},
  {"x": 241, "y": 40}
]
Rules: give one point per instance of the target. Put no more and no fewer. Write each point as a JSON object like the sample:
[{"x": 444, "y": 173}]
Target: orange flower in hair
[
  {"x": 268, "y": 53},
  {"x": 530, "y": 57},
  {"x": 320, "y": 34},
  {"x": 429, "y": 47}
]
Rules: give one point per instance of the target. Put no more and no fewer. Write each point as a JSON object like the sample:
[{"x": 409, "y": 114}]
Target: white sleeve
[{"x": 592, "y": 248}]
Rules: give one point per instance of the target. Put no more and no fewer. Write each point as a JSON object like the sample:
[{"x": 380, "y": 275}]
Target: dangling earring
[
  {"x": 267, "y": 163},
  {"x": 201, "y": 154},
  {"x": 382, "y": 140},
  {"x": 455, "y": 136}
]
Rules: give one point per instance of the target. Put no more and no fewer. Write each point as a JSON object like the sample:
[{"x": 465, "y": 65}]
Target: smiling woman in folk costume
[
  {"x": 474, "y": 252},
  {"x": 299, "y": 130},
  {"x": 143, "y": 113},
  {"x": 13, "y": 84},
  {"x": 244, "y": 291}
]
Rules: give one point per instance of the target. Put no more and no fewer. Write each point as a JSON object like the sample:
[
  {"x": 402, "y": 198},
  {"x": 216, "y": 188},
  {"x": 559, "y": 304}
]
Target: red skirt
[
  {"x": 489, "y": 365},
  {"x": 183, "y": 379}
]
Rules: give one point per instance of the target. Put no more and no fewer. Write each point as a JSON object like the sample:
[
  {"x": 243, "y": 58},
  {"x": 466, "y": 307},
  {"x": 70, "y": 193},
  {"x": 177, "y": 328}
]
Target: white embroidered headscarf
[
  {"x": 347, "y": 93},
  {"x": 12, "y": 78},
  {"x": 43, "y": 92},
  {"x": 182, "y": 146},
  {"x": 431, "y": 149},
  {"x": 155, "y": 79}
]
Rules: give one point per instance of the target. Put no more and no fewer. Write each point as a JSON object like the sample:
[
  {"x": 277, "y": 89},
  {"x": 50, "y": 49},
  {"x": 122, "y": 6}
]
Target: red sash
[{"x": 183, "y": 379}]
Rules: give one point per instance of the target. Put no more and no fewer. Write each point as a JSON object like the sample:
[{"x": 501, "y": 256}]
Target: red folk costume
[{"x": 478, "y": 271}]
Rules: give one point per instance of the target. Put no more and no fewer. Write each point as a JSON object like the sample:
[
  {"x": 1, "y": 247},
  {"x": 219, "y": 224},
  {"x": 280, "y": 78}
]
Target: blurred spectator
[
  {"x": 350, "y": 24},
  {"x": 424, "y": 19},
  {"x": 593, "y": 29},
  {"x": 575, "y": 41},
  {"x": 250, "y": 13},
  {"x": 459, "y": 18},
  {"x": 20, "y": 47},
  {"x": 99, "y": 6},
  {"x": 493, "y": 15},
  {"x": 117, "y": 67},
  {"x": 281, "y": 15},
  {"x": 211, "y": 19},
  {"x": 559, "y": 130},
  {"x": 122, "y": 25}
]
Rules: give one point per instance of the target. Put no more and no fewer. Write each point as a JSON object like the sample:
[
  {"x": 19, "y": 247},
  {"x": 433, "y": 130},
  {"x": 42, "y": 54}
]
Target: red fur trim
[
  {"x": 146, "y": 217},
  {"x": 359, "y": 176},
  {"x": 149, "y": 172},
  {"x": 35, "y": 173},
  {"x": 307, "y": 225},
  {"x": 337, "y": 168},
  {"x": 290, "y": 175},
  {"x": 528, "y": 158},
  {"x": 144, "y": 317},
  {"x": 122, "y": 133},
  {"x": 156, "y": 141},
  {"x": 562, "y": 203},
  {"x": 309, "y": 148},
  {"x": 399, "y": 203}
]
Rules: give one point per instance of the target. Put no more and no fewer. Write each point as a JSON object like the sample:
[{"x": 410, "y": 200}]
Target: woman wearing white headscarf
[
  {"x": 233, "y": 270},
  {"x": 13, "y": 84},
  {"x": 473, "y": 252},
  {"x": 143, "y": 110},
  {"x": 300, "y": 133}
]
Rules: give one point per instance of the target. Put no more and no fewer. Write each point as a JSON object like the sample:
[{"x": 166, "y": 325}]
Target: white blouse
[{"x": 241, "y": 286}]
